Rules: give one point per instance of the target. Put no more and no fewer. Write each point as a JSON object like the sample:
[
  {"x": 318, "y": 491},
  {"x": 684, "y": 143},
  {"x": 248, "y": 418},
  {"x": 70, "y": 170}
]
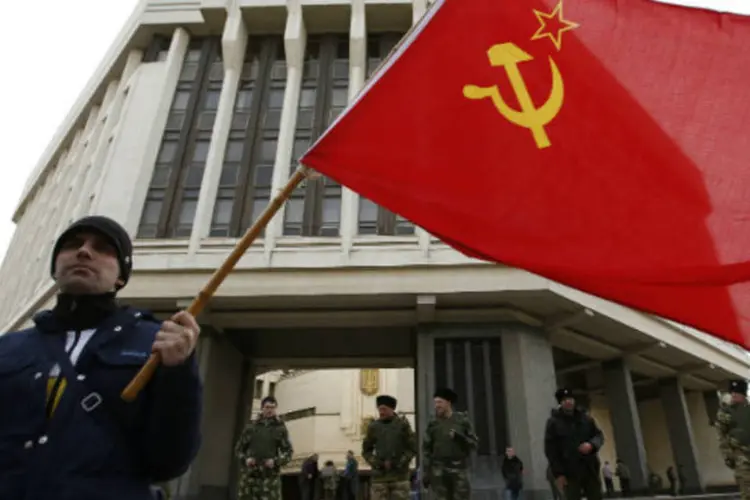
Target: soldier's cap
[
  {"x": 446, "y": 394},
  {"x": 563, "y": 393},
  {"x": 386, "y": 400},
  {"x": 738, "y": 386}
]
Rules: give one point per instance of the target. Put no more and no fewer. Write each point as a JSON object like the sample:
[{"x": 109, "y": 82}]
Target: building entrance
[{"x": 326, "y": 381}]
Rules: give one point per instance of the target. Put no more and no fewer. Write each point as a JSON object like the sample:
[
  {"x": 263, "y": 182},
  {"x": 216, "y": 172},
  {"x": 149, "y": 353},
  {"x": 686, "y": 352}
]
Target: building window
[
  {"x": 314, "y": 209},
  {"x": 258, "y": 389},
  {"x": 374, "y": 219},
  {"x": 245, "y": 184},
  {"x": 173, "y": 194},
  {"x": 272, "y": 389}
]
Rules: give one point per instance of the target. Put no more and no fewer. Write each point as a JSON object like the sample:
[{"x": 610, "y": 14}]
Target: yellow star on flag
[{"x": 551, "y": 23}]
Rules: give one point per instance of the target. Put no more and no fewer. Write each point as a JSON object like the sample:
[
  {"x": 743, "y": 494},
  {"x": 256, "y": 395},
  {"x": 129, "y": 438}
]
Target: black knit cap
[
  {"x": 112, "y": 231},
  {"x": 446, "y": 394},
  {"x": 386, "y": 400},
  {"x": 738, "y": 386},
  {"x": 563, "y": 393}
]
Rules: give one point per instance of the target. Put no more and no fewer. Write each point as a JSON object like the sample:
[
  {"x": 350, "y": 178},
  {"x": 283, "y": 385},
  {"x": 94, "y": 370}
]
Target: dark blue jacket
[{"x": 117, "y": 449}]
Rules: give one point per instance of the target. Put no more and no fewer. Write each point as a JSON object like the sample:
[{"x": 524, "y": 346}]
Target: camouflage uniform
[
  {"x": 733, "y": 426},
  {"x": 262, "y": 439},
  {"x": 446, "y": 457},
  {"x": 329, "y": 479},
  {"x": 390, "y": 440}
]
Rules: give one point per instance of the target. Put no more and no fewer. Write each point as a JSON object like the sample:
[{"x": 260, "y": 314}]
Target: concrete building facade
[{"x": 189, "y": 126}]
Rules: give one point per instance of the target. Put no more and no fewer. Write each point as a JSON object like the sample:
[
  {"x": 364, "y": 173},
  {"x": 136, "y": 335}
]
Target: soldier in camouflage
[
  {"x": 389, "y": 447},
  {"x": 263, "y": 449},
  {"x": 447, "y": 446},
  {"x": 733, "y": 426}
]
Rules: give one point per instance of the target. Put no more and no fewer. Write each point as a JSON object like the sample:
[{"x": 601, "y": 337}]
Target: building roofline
[
  {"x": 77, "y": 113},
  {"x": 660, "y": 328}
]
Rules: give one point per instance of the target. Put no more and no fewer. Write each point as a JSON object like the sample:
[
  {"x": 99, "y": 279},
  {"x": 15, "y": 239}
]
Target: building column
[
  {"x": 188, "y": 484},
  {"x": 295, "y": 39},
  {"x": 424, "y": 375},
  {"x": 418, "y": 9},
  {"x": 530, "y": 385},
  {"x": 223, "y": 369},
  {"x": 233, "y": 44},
  {"x": 626, "y": 422},
  {"x": 357, "y": 73},
  {"x": 243, "y": 411},
  {"x": 711, "y": 399},
  {"x": 424, "y": 239},
  {"x": 112, "y": 110},
  {"x": 138, "y": 140},
  {"x": 681, "y": 434}
]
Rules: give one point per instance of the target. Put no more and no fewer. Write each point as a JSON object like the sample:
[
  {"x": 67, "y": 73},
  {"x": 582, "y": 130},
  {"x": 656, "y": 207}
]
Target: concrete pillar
[
  {"x": 357, "y": 71},
  {"x": 233, "y": 42},
  {"x": 711, "y": 399},
  {"x": 123, "y": 187},
  {"x": 295, "y": 39},
  {"x": 99, "y": 155},
  {"x": 530, "y": 386},
  {"x": 425, "y": 382},
  {"x": 424, "y": 238},
  {"x": 626, "y": 423},
  {"x": 242, "y": 412},
  {"x": 681, "y": 434}
]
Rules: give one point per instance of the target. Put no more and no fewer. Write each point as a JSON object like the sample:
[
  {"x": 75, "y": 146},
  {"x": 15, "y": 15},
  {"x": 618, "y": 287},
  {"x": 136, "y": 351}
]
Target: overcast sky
[{"x": 47, "y": 62}]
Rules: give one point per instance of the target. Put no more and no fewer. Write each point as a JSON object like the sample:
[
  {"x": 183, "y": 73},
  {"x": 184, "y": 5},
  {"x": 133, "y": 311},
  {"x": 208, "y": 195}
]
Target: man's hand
[
  {"x": 270, "y": 463},
  {"x": 585, "y": 448},
  {"x": 452, "y": 434},
  {"x": 730, "y": 463},
  {"x": 561, "y": 482},
  {"x": 250, "y": 462},
  {"x": 176, "y": 340},
  {"x": 387, "y": 465}
]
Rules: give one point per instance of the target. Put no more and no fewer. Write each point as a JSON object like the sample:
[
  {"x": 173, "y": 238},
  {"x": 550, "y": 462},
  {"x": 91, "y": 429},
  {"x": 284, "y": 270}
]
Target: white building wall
[
  {"x": 600, "y": 412},
  {"x": 340, "y": 409},
  {"x": 709, "y": 456}
]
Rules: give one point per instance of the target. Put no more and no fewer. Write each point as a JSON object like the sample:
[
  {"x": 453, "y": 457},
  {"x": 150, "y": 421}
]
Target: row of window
[{"x": 314, "y": 209}]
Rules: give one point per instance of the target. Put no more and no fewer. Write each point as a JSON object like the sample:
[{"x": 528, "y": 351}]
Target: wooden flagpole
[
  {"x": 204, "y": 296},
  {"x": 147, "y": 371}
]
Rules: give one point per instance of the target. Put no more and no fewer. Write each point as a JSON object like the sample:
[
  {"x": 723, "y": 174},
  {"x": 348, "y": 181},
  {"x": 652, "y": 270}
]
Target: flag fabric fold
[{"x": 599, "y": 143}]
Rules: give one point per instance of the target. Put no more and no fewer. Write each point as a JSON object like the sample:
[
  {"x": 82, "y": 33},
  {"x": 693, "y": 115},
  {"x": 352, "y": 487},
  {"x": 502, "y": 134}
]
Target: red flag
[{"x": 600, "y": 143}]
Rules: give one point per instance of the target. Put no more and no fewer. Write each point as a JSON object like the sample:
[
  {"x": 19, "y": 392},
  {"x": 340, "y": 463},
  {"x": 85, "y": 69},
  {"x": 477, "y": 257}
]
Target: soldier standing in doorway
[
  {"x": 389, "y": 447},
  {"x": 733, "y": 426},
  {"x": 447, "y": 446},
  {"x": 571, "y": 442},
  {"x": 263, "y": 449}
]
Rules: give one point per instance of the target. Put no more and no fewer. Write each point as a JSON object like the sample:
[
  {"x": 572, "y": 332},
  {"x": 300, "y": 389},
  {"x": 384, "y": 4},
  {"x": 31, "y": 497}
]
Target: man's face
[
  {"x": 269, "y": 409},
  {"x": 510, "y": 452},
  {"x": 86, "y": 264},
  {"x": 442, "y": 406},
  {"x": 568, "y": 403},
  {"x": 385, "y": 411},
  {"x": 738, "y": 397}
]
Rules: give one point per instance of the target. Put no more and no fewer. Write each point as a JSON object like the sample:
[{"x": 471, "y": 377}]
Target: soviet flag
[{"x": 600, "y": 143}]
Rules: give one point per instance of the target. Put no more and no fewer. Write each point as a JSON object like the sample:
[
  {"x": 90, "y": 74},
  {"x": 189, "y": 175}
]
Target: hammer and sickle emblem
[{"x": 509, "y": 55}]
